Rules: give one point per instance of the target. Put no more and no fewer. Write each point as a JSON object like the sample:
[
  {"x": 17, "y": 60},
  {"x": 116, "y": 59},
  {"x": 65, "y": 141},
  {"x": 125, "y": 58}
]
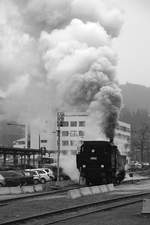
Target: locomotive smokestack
[{"x": 111, "y": 140}]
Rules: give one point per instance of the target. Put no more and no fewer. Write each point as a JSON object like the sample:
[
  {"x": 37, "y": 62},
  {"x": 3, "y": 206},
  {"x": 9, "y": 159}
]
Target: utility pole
[
  {"x": 28, "y": 136},
  {"x": 60, "y": 119}
]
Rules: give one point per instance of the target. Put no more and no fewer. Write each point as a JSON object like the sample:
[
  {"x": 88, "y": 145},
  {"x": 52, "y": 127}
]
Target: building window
[
  {"x": 43, "y": 141},
  {"x": 64, "y": 152},
  {"x": 65, "y": 133},
  {"x": 73, "y": 152},
  {"x": 73, "y": 123},
  {"x": 81, "y": 123},
  {"x": 65, "y": 143},
  {"x": 65, "y": 123},
  {"x": 81, "y": 133},
  {"x": 73, "y": 143},
  {"x": 21, "y": 142},
  {"x": 128, "y": 138},
  {"x": 73, "y": 133},
  {"x": 126, "y": 129}
]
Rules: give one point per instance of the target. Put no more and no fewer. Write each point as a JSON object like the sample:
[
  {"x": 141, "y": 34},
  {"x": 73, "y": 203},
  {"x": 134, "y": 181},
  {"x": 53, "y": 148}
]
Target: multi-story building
[
  {"x": 20, "y": 143},
  {"x": 39, "y": 142},
  {"x": 76, "y": 129},
  {"x": 123, "y": 138},
  {"x": 73, "y": 131}
]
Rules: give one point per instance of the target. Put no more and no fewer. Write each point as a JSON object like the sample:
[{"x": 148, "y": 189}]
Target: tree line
[{"x": 140, "y": 133}]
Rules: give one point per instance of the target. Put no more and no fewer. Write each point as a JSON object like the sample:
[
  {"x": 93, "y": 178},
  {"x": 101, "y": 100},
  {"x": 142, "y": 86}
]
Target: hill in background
[
  {"x": 10, "y": 133},
  {"x": 136, "y": 97}
]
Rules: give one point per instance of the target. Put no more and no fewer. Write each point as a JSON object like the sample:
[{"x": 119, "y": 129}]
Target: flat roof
[{"x": 26, "y": 151}]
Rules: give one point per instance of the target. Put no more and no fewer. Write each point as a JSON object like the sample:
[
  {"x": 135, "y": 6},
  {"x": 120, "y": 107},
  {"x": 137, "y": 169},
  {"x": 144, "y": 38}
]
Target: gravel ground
[
  {"x": 41, "y": 204},
  {"x": 129, "y": 215}
]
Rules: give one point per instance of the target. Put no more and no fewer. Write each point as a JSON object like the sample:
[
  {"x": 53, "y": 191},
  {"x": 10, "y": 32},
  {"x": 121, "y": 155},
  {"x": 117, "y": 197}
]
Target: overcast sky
[
  {"x": 60, "y": 51},
  {"x": 133, "y": 44}
]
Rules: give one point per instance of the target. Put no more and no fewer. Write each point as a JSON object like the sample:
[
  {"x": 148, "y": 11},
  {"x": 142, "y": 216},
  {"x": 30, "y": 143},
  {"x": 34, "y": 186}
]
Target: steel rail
[
  {"x": 39, "y": 194},
  {"x": 109, "y": 206},
  {"x": 75, "y": 211}
]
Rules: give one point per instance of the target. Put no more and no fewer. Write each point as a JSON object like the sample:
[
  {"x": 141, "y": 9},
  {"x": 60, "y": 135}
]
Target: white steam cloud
[
  {"x": 57, "y": 55},
  {"x": 68, "y": 163}
]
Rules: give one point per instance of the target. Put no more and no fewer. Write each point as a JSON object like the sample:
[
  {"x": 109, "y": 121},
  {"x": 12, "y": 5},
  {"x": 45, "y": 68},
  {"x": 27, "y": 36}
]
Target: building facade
[
  {"x": 123, "y": 138},
  {"x": 75, "y": 129},
  {"x": 20, "y": 143}
]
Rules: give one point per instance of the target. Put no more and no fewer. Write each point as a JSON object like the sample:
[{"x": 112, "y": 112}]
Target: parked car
[
  {"x": 135, "y": 165},
  {"x": 14, "y": 178},
  {"x": 39, "y": 175},
  {"x": 2, "y": 181},
  {"x": 145, "y": 165},
  {"x": 15, "y": 168},
  {"x": 49, "y": 172},
  {"x": 35, "y": 177},
  {"x": 8, "y": 167}
]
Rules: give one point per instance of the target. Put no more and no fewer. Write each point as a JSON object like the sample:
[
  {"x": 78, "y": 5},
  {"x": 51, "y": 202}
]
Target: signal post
[{"x": 60, "y": 120}]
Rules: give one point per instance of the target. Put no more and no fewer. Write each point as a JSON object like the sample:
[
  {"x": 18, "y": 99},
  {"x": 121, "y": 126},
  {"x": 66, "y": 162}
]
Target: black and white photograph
[{"x": 74, "y": 112}]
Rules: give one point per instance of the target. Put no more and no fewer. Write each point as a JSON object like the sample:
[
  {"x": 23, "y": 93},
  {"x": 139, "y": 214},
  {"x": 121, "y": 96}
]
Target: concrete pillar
[
  {"x": 28, "y": 160},
  {"x": 24, "y": 160},
  {"x": 34, "y": 160},
  {"x": 21, "y": 160},
  {"x": 15, "y": 159},
  {"x": 5, "y": 156}
]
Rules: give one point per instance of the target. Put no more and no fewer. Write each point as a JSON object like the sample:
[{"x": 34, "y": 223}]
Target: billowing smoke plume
[{"x": 57, "y": 55}]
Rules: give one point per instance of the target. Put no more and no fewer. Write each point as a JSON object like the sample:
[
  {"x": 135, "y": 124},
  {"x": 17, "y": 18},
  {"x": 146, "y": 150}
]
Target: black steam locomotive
[{"x": 100, "y": 162}]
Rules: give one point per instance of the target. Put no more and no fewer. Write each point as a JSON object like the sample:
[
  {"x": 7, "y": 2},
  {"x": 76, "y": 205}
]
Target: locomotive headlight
[
  {"x": 102, "y": 166},
  {"x": 84, "y": 166}
]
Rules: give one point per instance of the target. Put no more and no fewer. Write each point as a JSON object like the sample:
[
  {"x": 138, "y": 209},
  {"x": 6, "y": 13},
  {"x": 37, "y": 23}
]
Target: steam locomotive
[{"x": 100, "y": 162}]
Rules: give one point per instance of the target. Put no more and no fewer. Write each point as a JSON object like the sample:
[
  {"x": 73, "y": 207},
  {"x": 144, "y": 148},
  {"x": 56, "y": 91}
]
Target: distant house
[{"x": 20, "y": 143}]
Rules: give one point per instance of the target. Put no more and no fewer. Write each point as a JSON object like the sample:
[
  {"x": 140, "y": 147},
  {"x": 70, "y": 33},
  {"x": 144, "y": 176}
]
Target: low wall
[
  {"x": 76, "y": 193},
  {"x": 34, "y": 188},
  {"x": 21, "y": 190}
]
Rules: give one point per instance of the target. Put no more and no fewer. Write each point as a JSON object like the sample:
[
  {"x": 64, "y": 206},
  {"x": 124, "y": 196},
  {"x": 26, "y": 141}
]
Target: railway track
[
  {"x": 39, "y": 194},
  {"x": 65, "y": 214}
]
